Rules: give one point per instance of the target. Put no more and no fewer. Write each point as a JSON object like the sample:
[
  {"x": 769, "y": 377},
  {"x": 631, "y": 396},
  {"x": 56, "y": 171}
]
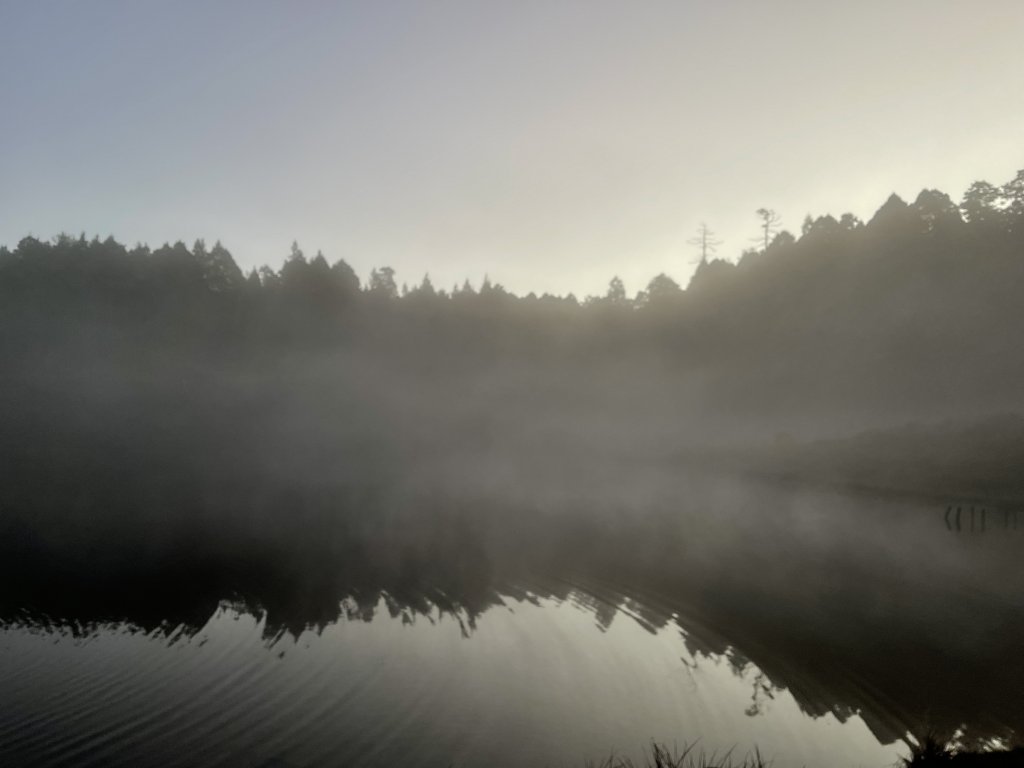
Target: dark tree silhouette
[
  {"x": 982, "y": 204},
  {"x": 382, "y": 283},
  {"x": 616, "y": 291},
  {"x": 770, "y": 221}
]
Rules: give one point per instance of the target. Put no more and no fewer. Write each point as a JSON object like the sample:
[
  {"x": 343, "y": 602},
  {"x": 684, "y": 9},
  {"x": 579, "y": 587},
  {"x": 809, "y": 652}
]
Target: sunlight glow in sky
[{"x": 550, "y": 145}]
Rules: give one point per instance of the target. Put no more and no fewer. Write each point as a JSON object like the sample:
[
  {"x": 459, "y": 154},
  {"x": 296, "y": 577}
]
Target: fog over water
[
  {"x": 287, "y": 517},
  {"x": 527, "y": 466},
  {"x": 485, "y": 630}
]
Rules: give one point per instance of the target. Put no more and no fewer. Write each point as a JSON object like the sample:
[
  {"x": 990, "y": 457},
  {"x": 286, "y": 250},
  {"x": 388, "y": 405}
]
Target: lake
[{"x": 435, "y": 629}]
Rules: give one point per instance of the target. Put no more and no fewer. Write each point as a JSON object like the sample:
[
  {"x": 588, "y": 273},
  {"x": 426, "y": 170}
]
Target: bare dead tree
[{"x": 705, "y": 240}]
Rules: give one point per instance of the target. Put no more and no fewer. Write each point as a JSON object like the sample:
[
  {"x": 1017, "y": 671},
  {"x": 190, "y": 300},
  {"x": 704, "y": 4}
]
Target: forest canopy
[
  {"x": 988, "y": 217},
  {"x": 913, "y": 314}
]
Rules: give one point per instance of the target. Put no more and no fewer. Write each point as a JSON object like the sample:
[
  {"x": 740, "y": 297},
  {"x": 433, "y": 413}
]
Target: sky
[{"x": 547, "y": 144}]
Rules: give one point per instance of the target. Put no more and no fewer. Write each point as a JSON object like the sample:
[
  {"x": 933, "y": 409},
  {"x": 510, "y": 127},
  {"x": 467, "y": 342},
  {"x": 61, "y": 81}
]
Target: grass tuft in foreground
[{"x": 660, "y": 756}]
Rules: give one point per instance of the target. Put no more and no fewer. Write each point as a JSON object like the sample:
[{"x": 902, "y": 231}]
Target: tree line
[
  {"x": 915, "y": 312},
  {"x": 68, "y": 267}
]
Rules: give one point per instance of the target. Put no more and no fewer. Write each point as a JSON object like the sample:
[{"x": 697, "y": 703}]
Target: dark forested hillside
[
  {"x": 913, "y": 315},
  {"x": 147, "y": 393}
]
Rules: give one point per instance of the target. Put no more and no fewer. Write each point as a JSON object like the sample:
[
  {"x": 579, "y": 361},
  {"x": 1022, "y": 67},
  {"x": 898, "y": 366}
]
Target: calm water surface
[{"x": 819, "y": 628}]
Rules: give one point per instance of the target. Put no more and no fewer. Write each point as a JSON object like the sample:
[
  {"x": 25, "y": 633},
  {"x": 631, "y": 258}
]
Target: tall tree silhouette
[{"x": 769, "y": 226}]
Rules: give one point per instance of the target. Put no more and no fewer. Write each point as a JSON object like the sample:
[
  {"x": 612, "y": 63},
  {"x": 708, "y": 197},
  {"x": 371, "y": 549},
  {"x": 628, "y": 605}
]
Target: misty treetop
[
  {"x": 77, "y": 269},
  {"x": 916, "y": 312}
]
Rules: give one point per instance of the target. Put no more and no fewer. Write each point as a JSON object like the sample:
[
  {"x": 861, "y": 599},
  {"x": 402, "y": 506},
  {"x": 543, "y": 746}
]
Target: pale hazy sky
[{"x": 550, "y": 144}]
